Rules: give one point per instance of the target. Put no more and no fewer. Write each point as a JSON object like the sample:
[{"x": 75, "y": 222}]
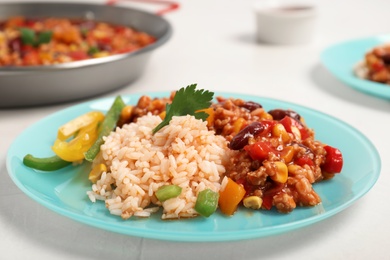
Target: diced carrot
[{"x": 230, "y": 197}]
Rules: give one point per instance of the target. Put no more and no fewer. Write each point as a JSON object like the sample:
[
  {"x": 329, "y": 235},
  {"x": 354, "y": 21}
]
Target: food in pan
[
  {"x": 189, "y": 155},
  {"x": 376, "y": 65},
  {"x": 46, "y": 41}
]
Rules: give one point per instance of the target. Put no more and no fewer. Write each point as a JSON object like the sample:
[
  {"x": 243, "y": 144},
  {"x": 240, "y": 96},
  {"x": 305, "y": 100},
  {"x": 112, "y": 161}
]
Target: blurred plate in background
[
  {"x": 41, "y": 85},
  {"x": 342, "y": 58}
]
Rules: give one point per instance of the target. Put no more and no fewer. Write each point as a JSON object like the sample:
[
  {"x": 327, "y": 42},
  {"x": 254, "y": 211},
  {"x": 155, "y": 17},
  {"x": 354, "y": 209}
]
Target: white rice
[
  {"x": 361, "y": 70},
  {"x": 184, "y": 153}
]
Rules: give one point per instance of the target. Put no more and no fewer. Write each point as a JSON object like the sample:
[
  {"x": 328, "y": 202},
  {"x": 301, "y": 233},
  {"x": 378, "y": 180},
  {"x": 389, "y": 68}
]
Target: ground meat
[
  {"x": 319, "y": 153},
  {"x": 231, "y": 114},
  {"x": 302, "y": 191},
  {"x": 284, "y": 202},
  {"x": 147, "y": 105},
  {"x": 258, "y": 177}
]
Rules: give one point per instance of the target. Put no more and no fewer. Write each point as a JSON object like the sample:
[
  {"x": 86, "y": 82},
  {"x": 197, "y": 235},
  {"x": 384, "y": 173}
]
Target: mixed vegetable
[
  {"x": 45, "y": 41},
  {"x": 268, "y": 152},
  {"x": 79, "y": 139}
]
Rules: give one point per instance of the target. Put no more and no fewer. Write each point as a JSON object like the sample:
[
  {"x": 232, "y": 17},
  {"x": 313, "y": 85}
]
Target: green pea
[
  {"x": 207, "y": 202},
  {"x": 168, "y": 192}
]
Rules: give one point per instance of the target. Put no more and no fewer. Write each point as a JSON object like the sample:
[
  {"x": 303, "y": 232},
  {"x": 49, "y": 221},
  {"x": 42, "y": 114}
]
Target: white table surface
[{"x": 213, "y": 45}]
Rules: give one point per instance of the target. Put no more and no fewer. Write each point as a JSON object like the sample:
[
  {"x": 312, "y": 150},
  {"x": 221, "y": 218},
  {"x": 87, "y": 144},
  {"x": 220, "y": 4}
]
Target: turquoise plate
[
  {"x": 340, "y": 60},
  {"x": 64, "y": 191}
]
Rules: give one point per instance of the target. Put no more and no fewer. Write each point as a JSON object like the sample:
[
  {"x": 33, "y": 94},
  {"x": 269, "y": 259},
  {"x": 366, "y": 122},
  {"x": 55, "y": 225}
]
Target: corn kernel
[
  {"x": 279, "y": 131},
  {"x": 253, "y": 202},
  {"x": 101, "y": 54},
  {"x": 73, "y": 47},
  {"x": 281, "y": 174},
  {"x": 294, "y": 169},
  {"x": 96, "y": 172}
]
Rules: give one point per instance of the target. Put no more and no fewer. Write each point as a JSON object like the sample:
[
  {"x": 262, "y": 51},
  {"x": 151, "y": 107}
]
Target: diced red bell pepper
[
  {"x": 259, "y": 150},
  {"x": 31, "y": 57},
  {"x": 248, "y": 188},
  {"x": 377, "y": 66},
  {"x": 78, "y": 55},
  {"x": 268, "y": 125},
  {"x": 27, "y": 48},
  {"x": 267, "y": 201},
  {"x": 333, "y": 160},
  {"x": 105, "y": 40},
  {"x": 289, "y": 122},
  {"x": 305, "y": 159},
  {"x": 30, "y": 23}
]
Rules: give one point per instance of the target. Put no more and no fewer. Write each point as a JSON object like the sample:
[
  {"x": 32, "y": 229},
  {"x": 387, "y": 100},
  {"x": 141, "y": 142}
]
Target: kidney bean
[
  {"x": 241, "y": 139},
  {"x": 104, "y": 46},
  {"x": 279, "y": 114},
  {"x": 15, "y": 45},
  {"x": 250, "y": 105},
  {"x": 386, "y": 58}
]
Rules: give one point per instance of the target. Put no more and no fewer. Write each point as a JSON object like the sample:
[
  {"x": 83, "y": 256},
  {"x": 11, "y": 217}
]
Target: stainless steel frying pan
[{"x": 42, "y": 85}]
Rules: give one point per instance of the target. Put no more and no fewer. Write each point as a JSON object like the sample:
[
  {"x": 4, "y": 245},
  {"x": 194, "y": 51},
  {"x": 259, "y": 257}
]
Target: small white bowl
[{"x": 288, "y": 23}]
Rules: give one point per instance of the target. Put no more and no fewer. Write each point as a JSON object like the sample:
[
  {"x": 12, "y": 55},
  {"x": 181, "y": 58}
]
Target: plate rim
[{"x": 193, "y": 237}]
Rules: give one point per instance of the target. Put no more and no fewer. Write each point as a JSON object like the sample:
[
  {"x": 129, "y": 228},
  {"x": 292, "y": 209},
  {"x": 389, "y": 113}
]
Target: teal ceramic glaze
[
  {"x": 64, "y": 191},
  {"x": 340, "y": 59}
]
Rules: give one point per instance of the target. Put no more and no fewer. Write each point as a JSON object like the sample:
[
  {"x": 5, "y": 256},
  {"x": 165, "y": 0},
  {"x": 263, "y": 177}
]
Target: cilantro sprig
[
  {"x": 187, "y": 101},
  {"x": 30, "y": 37}
]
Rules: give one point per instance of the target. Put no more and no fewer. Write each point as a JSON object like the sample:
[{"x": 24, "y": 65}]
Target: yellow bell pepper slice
[
  {"x": 96, "y": 172},
  {"x": 74, "y": 150},
  {"x": 70, "y": 128}
]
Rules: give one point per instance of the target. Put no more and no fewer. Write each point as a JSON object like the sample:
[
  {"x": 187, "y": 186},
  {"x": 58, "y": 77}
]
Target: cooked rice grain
[{"x": 184, "y": 153}]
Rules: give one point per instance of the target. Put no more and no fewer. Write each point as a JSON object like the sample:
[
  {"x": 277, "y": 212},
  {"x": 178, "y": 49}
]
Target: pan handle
[{"x": 170, "y": 6}]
